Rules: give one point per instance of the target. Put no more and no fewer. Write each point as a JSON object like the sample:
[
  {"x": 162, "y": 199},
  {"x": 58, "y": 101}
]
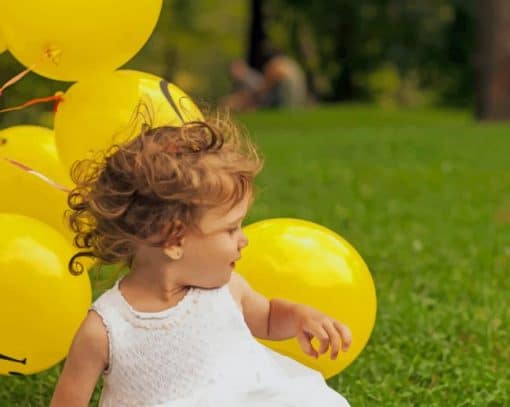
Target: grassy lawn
[{"x": 425, "y": 198}]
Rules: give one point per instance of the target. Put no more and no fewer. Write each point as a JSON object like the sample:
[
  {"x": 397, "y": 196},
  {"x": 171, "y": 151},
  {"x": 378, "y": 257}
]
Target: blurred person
[{"x": 280, "y": 84}]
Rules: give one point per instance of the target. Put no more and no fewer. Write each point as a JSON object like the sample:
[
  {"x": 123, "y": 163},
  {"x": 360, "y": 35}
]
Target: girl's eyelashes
[{"x": 233, "y": 230}]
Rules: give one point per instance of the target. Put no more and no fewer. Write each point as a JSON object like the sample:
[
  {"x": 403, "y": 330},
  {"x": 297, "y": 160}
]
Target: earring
[
  {"x": 178, "y": 254},
  {"x": 174, "y": 252}
]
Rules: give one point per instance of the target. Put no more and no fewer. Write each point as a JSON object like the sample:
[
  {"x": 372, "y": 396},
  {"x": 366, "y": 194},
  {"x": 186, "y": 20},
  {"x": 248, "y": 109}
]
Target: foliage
[
  {"x": 430, "y": 41},
  {"x": 426, "y": 48}
]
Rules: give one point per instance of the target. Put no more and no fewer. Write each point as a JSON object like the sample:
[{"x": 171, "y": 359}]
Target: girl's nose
[{"x": 243, "y": 240}]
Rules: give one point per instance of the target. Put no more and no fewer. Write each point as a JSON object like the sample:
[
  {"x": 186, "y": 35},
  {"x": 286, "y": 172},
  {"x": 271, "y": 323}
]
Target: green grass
[{"x": 425, "y": 198}]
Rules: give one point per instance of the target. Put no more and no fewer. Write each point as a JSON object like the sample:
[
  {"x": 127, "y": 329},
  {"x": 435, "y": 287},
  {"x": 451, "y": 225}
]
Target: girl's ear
[
  {"x": 175, "y": 252},
  {"x": 174, "y": 249}
]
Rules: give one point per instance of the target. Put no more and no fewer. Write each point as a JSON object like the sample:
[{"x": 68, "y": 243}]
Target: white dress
[{"x": 199, "y": 353}]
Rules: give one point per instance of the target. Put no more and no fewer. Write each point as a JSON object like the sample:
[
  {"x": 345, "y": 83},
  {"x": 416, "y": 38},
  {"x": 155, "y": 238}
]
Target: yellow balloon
[
  {"x": 69, "y": 40},
  {"x": 42, "y": 303},
  {"x": 25, "y": 193},
  {"x": 3, "y": 45},
  {"x": 307, "y": 263},
  {"x": 111, "y": 108}
]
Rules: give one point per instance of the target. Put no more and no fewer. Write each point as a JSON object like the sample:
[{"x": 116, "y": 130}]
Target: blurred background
[{"x": 395, "y": 53}]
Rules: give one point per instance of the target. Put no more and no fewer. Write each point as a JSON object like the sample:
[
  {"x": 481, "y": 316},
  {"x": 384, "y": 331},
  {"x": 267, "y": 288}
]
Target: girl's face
[{"x": 209, "y": 254}]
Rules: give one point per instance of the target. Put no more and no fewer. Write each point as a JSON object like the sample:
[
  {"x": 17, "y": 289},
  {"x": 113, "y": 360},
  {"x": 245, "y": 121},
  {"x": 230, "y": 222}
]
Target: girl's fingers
[
  {"x": 322, "y": 336},
  {"x": 329, "y": 334},
  {"x": 334, "y": 338},
  {"x": 345, "y": 334},
  {"x": 305, "y": 341}
]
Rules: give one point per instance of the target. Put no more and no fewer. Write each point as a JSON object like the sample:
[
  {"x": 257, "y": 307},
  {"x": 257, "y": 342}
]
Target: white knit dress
[{"x": 199, "y": 353}]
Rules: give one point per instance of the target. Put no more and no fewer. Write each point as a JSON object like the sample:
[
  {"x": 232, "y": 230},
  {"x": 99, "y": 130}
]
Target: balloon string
[
  {"x": 15, "y": 79},
  {"x": 50, "y": 53},
  {"x": 29, "y": 170},
  {"x": 57, "y": 98}
]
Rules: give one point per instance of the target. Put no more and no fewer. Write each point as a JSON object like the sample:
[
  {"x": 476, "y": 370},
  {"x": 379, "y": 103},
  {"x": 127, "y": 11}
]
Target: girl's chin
[{"x": 217, "y": 282}]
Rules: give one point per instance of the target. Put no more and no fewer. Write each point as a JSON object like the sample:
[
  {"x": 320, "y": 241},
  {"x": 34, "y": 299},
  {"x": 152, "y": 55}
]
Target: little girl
[{"x": 178, "y": 330}]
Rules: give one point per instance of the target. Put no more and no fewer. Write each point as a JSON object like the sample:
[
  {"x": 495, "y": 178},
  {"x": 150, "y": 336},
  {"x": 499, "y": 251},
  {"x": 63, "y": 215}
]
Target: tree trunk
[
  {"x": 345, "y": 35},
  {"x": 493, "y": 60},
  {"x": 258, "y": 35}
]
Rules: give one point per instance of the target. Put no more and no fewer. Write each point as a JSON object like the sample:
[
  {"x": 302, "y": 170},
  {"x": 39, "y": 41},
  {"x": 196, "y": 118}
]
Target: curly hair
[{"x": 153, "y": 188}]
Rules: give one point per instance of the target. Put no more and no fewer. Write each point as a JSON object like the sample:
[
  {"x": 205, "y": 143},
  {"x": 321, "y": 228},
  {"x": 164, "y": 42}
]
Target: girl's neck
[
  {"x": 147, "y": 295},
  {"x": 160, "y": 283}
]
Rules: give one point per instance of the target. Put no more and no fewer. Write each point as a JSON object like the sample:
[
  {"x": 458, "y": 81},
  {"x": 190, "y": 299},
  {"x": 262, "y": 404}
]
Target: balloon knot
[
  {"x": 59, "y": 97},
  {"x": 53, "y": 54}
]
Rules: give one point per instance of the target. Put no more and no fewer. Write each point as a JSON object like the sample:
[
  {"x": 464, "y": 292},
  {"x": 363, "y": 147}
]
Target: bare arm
[
  {"x": 267, "y": 319},
  {"x": 255, "y": 306},
  {"x": 87, "y": 359},
  {"x": 278, "y": 319}
]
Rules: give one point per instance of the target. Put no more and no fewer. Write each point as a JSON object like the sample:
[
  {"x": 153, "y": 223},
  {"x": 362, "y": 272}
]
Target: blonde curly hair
[{"x": 153, "y": 188}]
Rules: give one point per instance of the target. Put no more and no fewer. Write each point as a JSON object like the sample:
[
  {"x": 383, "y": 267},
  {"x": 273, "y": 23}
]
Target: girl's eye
[{"x": 232, "y": 231}]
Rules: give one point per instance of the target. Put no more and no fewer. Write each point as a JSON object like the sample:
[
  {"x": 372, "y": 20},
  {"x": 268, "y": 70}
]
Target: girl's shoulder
[
  {"x": 93, "y": 327},
  {"x": 92, "y": 339},
  {"x": 237, "y": 287}
]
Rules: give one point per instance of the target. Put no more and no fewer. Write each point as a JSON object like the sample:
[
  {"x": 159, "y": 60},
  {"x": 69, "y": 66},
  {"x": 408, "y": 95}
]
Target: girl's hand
[{"x": 328, "y": 331}]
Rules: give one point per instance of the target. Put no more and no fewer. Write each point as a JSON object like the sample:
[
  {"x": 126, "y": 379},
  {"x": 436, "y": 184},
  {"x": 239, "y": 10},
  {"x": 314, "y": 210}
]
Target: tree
[
  {"x": 413, "y": 51},
  {"x": 257, "y": 34},
  {"x": 493, "y": 60}
]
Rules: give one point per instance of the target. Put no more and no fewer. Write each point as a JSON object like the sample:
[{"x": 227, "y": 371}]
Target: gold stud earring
[
  {"x": 178, "y": 254},
  {"x": 174, "y": 253}
]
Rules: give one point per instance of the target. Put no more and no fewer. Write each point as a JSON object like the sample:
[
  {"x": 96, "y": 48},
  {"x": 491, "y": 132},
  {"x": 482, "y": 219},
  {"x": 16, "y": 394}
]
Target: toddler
[{"x": 178, "y": 329}]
